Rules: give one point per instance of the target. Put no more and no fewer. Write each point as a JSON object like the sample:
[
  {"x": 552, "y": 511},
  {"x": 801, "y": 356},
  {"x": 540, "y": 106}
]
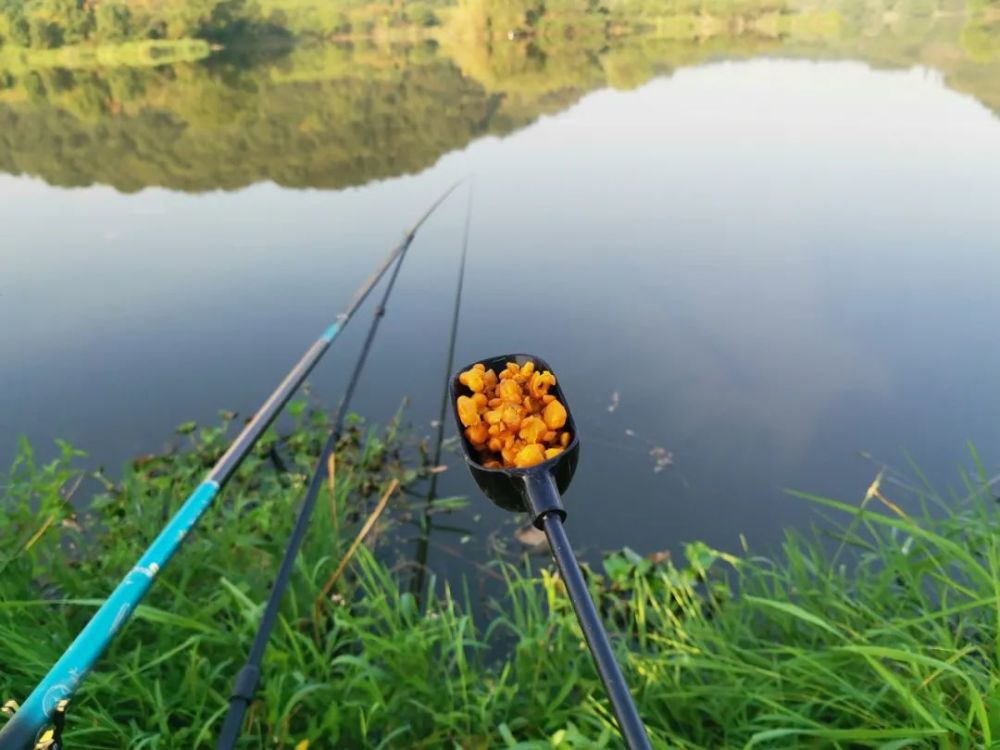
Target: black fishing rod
[
  {"x": 49, "y": 698},
  {"x": 423, "y": 541},
  {"x": 245, "y": 683},
  {"x": 537, "y": 490}
]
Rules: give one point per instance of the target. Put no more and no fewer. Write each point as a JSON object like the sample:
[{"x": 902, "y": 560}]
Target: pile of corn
[{"x": 511, "y": 418}]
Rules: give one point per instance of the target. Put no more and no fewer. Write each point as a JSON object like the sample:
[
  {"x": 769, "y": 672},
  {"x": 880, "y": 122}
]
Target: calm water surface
[{"x": 775, "y": 263}]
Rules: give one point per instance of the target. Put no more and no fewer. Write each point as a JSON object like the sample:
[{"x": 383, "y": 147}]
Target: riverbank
[{"x": 885, "y": 638}]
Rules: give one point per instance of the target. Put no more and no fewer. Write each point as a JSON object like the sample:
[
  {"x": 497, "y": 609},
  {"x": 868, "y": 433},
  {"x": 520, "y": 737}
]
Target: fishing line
[{"x": 426, "y": 521}]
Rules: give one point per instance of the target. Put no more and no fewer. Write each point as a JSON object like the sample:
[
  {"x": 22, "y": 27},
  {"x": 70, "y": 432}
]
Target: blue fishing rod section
[{"x": 62, "y": 680}]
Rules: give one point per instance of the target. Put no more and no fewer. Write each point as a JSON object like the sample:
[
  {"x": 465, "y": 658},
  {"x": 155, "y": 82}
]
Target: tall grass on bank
[{"x": 886, "y": 639}]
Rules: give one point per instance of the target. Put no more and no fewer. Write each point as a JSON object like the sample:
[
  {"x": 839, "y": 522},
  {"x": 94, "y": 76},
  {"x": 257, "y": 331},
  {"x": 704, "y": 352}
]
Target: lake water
[{"x": 765, "y": 257}]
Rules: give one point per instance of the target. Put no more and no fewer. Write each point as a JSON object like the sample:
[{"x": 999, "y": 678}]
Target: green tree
[
  {"x": 46, "y": 34},
  {"x": 343, "y": 25},
  {"x": 75, "y": 18},
  {"x": 421, "y": 14},
  {"x": 113, "y": 22},
  {"x": 20, "y": 31}
]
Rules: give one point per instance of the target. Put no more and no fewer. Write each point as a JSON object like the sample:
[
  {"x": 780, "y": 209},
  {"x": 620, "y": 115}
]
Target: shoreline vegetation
[
  {"x": 881, "y": 632},
  {"x": 125, "y": 54},
  {"x": 219, "y": 94}
]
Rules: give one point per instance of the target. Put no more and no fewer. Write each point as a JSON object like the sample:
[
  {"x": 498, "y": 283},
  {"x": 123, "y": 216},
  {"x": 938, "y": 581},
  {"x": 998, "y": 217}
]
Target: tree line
[{"x": 49, "y": 24}]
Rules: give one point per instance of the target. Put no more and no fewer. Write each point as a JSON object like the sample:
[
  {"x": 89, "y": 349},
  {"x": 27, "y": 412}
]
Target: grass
[{"x": 887, "y": 637}]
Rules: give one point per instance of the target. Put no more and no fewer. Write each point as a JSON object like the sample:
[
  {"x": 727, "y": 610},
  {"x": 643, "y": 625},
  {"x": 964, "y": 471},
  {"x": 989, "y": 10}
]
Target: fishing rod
[
  {"x": 245, "y": 683},
  {"x": 423, "y": 541},
  {"x": 48, "y": 699}
]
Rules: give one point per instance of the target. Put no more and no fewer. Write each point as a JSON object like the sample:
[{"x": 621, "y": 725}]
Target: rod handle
[
  {"x": 18, "y": 734},
  {"x": 541, "y": 496},
  {"x": 622, "y": 704}
]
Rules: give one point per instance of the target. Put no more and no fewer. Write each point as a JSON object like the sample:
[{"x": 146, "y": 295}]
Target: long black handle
[{"x": 543, "y": 494}]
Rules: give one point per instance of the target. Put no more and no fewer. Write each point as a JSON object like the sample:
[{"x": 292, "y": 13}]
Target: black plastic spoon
[{"x": 537, "y": 490}]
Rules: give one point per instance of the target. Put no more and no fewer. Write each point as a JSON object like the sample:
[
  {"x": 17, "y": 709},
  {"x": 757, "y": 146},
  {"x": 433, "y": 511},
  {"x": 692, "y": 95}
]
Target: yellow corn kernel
[
  {"x": 540, "y": 382},
  {"x": 510, "y": 391},
  {"x": 478, "y": 433},
  {"x": 475, "y": 381},
  {"x": 512, "y": 416},
  {"x": 527, "y": 368},
  {"x": 552, "y": 452},
  {"x": 467, "y": 411},
  {"x": 493, "y": 403},
  {"x": 565, "y": 439},
  {"x": 494, "y": 416},
  {"x": 479, "y": 366},
  {"x": 480, "y": 400},
  {"x": 532, "y": 429},
  {"x": 490, "y": 378},
  {"x": 509, "y": 441},
  {"x": 495, "y": 444},
  {"x": 512, "y": 367},
  {"x": 550, "y": 436},
  {"x": 495, "y": 429},
  {"x": 532, "y": 385},
  {"x": 548, "y": 398},
  {"x": 554, "y": 415},
  {"x": 493, "y": 465},
  {"x": 529, "y": 455}
]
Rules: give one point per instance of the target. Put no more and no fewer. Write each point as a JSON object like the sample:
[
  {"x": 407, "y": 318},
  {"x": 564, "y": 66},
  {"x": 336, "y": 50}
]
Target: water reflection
[{"x": 341, "y": 114}]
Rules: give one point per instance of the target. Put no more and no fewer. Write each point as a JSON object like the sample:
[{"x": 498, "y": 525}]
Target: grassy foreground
[{"x": 886, "y": 638}]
